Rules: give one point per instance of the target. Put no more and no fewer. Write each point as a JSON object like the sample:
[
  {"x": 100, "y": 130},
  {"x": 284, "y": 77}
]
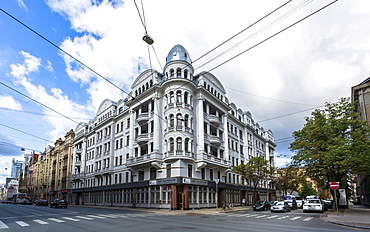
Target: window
[
  {"x": 178, "y": 73},
  {"x": 168, "y": 168},
  {"x": 186, "y": 74},
  {"x": 153, "y": 173},
  {"x": 186, "y": 144},
  {"x": 141, "y": 175},
  {"x": 179, "y": 144},
  {"x": 179, "y": 120},
  {"x": 172, "y": 144},
  {"x": 128, "y": 123},
  {"x": 211, "y": 174},
  {"x": 203, "y": 173},
  {"x": 172, "y": 97},
  {"x": 178, "y": 96},
  {"x": 172, "y": 73},
  {"x": 190, "y": 170},
  {"x": 172, "y": 121}
]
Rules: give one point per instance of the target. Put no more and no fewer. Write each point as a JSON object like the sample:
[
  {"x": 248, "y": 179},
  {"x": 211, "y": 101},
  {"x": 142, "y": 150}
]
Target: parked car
[
  {"x": 59, "y": 203},
  {"x": 42, "y": 202},
  {"x": 313, "y": 205},
  {"x": 280, "y": 206},
  {"x": 299, "y": 204},
  {"x": 262, "y": 205},
  {"x": 292, "y": 204},
  {"x": 328, "y": 204},
  {"x": 27, "y": 201}
]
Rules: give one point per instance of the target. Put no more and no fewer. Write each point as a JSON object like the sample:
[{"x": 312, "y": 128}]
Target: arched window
[
  {"x": 172, "y": 97},
  {"x": 179, "y": 120},
  {"x": 205, "y": 84},
  {"x": 186, "y": 120},
  {"x": 186, "y": 144},
  {"x": 151, "y": 83},
  {"x": 172, "y": 121},
  {"x": 179, "y": 144},
  {"x": 186, "y": 74},
  {"x": 172, "y": 73},
  {"x": 139, "y": 91},
  {"x": 186, "y": 97},
  {"x": 178, "y": 96},
  {"x": 135, "y": 93},
  {"x": 178, "y": 73},
  {"x": 172, "y": 144}
]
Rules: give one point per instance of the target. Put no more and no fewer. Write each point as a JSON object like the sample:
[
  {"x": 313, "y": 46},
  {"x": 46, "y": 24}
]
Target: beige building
[
  {"x": 61, "y": 166},
  {"x": 42, "y": 174}
]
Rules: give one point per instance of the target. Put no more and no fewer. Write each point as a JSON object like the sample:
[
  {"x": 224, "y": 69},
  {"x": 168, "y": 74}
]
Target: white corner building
[{"x": 169, "y": 144}]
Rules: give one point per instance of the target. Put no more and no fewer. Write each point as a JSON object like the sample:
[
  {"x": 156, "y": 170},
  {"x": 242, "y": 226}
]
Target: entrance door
[{"x": 180, "y": 198}]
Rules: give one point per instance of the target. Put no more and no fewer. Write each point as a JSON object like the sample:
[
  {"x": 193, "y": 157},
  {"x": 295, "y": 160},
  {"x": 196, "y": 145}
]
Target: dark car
[
  {"x": 292, "y": 204},
  {"x": 262, "y": 205},
  {"x": 59, "y": 203},
  {"x": 27, "y": 201},
  {"x": 42, "y": 202}
]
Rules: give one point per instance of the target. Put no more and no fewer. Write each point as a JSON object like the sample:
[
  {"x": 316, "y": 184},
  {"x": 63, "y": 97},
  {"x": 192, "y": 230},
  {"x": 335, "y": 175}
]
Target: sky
[{"x": 280, "y": 67}]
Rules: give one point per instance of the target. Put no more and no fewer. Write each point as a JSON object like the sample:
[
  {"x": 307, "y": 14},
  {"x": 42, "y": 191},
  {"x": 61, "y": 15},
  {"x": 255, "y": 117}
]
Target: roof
[{"x": 178, "y": 52}]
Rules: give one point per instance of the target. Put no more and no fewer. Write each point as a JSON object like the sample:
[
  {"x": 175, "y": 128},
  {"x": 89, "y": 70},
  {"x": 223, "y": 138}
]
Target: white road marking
[
  {"x": 82, "y": 217},
  {"x": 307, "y": 219},
  {"x": 3, "y": 225},
  {"x": 41, "y": 222},
  {"x": 22, "y": 223},
  {"x": 274, "y": 216},
  {"x": 295, "y": 218},
  {"x": 56, "y": 220},
  {"x": 94, "y": 216},
  {"x": 71, "y": 219},
  {"x": 283, "y": 217},
  {"x": 262, "y": 216}
]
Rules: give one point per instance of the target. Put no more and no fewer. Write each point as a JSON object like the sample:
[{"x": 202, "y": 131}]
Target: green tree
[
  {"x": 307, "y": 190},
  {"x": 333, "y": 143},
  {"x": 288, "y": 179},
  {"x": 254, "y": 173}
]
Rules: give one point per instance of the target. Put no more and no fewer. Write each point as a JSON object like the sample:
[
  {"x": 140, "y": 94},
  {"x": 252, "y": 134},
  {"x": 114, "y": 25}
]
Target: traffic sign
[
  {"x": 334, "y": 185},
  {"x": 165, "y": 187}
]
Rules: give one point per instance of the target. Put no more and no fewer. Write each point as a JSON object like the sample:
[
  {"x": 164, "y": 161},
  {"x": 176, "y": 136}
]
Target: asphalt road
[{"x": 31, "y": 218}]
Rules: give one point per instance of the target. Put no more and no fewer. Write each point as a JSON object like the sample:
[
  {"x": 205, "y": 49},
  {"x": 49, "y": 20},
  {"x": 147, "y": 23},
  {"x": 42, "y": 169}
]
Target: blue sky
[{"x": 314, "y": 62}]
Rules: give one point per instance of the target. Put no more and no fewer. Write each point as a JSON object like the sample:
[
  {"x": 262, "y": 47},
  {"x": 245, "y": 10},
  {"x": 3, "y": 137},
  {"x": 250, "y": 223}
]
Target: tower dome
[{"x": 178, "y": 52}]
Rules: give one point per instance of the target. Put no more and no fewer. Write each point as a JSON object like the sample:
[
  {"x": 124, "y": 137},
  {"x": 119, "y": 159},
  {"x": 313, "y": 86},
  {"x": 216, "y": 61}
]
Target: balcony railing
[
  {"x": 214, "y": 160},
  {"x": 147, "y": 158},
  {"x": 143, "y": 118},
  {"x": 179, "y": 154}
]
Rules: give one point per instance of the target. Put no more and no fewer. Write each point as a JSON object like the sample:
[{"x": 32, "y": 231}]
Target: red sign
[{"x": 334, "y": 185}]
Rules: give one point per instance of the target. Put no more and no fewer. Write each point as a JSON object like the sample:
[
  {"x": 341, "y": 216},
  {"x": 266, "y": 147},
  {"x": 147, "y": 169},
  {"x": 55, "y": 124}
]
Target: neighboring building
[
  {"x": 168, "y": 143},
  {"x": 32, "y": 169},
  {"x": 61, "y": 168},
  {"x": 361, "y": 94},
  {"x": 42, "y": 174},
  {"x": 16, "y": 168}
]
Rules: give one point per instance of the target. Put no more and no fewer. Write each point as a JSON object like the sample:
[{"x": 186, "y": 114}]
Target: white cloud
[
  {"x": 22, "y": 5},
  {"x": 9, "y": 102}
]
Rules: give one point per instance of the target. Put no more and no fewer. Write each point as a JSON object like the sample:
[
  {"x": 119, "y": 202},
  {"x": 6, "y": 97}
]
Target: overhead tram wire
[
  {"x": 260, "y": 31},
  {"x": 25, "y": 133},
  {"x": 39, "y": 103},
  {"x": 289, "y": 114},
  {"x": 277, "y": 33}
]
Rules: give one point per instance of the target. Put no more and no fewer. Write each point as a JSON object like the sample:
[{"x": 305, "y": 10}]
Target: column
[
  {"x": 157, "y": 133},
  {"x": 200, "y": 127}
]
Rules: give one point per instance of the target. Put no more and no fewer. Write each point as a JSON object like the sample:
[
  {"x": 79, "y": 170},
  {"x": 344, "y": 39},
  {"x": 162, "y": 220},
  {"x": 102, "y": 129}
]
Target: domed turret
[{"x": 178, "y": 53}]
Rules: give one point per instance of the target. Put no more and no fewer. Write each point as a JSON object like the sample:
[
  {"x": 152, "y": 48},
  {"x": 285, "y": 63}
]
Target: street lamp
[{"x": 148, "y": 39}]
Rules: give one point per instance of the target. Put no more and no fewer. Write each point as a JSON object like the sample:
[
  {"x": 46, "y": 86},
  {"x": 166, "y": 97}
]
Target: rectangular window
[
  {"x": 190, "y": 170},
  {"x": 168, "y": 168}
]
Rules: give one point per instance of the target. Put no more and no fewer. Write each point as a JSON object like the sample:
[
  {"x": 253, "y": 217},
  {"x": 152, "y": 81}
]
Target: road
[{"x": 29, "y": 218}]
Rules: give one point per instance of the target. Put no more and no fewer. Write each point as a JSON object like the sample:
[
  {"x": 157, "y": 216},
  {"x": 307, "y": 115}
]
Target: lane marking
[
  {"x": 274, "y": 216},
  {"x": 283, "y": 217},
  {"x": 82, "y": 217},
  {"x": 3, "y": 225},
  {"x": 56, "y": 220},
  {"x": 71, "y": 219},
  {"x": 41, "y": 222},
  {"x": 95, "y": 216},
  {"x": 295, "y": 218},
  {"x": 262, "y": 216},
  {"x": 22, "y": 223},
  {"x": 308, "y": 219}
]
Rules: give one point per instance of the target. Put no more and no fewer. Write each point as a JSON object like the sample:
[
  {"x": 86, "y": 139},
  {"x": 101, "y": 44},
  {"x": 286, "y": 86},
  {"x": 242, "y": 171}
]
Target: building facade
[
  {"x": 61, "y": 168},
  {"x": 170, "y": 144},
  {"x": 42, "y": 175},
  {"x": 16, "y": 168},
  {"x": 361, "y": 183}
]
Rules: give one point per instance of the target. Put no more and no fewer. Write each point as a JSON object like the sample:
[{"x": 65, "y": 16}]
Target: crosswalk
[
  {"x": 74, "y": 219},
  {"x": 269, "y": 217}
]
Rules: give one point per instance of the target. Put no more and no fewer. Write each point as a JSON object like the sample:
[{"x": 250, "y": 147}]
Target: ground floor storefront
[{"x": 172, "y": 193}]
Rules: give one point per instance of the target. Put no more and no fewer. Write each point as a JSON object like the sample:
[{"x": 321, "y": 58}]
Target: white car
[
  {"x": 313, "y": 205},
  {"x": 299, "y": 204}
]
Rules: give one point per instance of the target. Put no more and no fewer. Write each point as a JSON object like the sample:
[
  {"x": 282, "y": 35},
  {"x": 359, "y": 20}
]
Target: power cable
[
  {"x": 277, "y": 33},
  {"x": 25, "y": 132},
  {"x": 38, "y": 102},
  {"x": 142, "y": 20},
  {"x": 289, "y": 114}
]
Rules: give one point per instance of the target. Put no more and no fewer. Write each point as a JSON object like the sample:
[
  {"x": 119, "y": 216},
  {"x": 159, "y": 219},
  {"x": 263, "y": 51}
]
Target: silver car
[{"x": 280, "y": 206}]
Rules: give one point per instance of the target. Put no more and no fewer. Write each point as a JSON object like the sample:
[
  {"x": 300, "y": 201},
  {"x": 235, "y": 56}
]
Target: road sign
[
  {"x": 165, "y": 187},
  {"x": 334, "y": 185}
]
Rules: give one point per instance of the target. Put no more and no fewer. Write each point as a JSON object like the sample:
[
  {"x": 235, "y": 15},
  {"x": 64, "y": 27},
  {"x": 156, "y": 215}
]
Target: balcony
[
  {"x": 77, "y": 176},
  {"x": 143, "y": 118},
  {"x": 214, "y": 160},
  {"x": 78, "y": 163},
  {"x": 179, "y": 155},
  {"x": 214, "y": 140},
  {"x": 143, "y": 138},
  {"x": 144, "y": 159},
  {"x": 214, "y": 120},
  {"x": 78, "y": 150}
]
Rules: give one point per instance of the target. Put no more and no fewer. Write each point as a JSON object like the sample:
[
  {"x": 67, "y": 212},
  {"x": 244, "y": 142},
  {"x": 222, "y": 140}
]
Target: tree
[
  {"x": 333, "y": 143},
  {"x": 255, "y": 172},
  {"x": 289, "y": 179},
  {"x": 307, "y": 190}
]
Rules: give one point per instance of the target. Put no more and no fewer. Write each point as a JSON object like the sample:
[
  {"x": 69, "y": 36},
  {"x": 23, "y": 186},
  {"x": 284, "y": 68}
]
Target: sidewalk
[{"x": 355, "y": 216}]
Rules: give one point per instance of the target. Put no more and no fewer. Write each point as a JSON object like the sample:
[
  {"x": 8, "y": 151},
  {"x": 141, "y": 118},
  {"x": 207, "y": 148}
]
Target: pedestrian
[{"x": 243, "y": 202}]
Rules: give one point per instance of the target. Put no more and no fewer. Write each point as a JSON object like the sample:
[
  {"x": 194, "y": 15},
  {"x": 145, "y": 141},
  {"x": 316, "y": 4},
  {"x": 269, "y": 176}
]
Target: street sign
[
  {"x": 165, "y": 187},
  {"x": 334, "y": 185}
]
